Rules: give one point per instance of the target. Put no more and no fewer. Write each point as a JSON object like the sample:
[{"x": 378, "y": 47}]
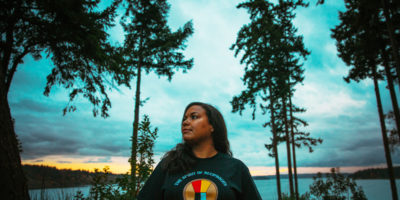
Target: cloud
[
  {"x": 30, "y": 105},
  {"x": 320, "y": 100},
  {"x": 62, "y": 161},
  {"x": 362, "y": 147},
  {"x": 73, "y": 134},
  {"x": 99, "y": 160}
]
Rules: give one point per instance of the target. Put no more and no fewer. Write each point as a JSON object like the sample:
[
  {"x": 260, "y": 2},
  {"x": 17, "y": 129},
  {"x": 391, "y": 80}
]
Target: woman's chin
[{"x": 187, "y": 137}]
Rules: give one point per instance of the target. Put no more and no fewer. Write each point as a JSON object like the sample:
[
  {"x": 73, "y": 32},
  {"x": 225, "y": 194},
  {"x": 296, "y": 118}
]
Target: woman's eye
[{"x": 194, "y": 117}]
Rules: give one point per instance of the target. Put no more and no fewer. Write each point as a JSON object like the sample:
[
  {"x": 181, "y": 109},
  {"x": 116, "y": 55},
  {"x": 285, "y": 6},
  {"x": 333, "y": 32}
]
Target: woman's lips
[{"x": 186, "y": 130}]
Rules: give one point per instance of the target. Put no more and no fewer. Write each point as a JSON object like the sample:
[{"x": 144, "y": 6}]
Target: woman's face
[{"x": 195, "y": 125}]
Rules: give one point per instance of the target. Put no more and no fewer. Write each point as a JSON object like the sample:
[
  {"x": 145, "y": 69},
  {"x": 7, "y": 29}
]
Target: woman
[{"x": 202, "y": 167}]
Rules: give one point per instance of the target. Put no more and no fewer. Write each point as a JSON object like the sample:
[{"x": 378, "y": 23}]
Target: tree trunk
[
  {"x": 296, "y": 184},
  {"x": 275, "y": 145},
  {"x": 13, "y": 184},
  {"x": 277, "y": 172},
  {"x": 288, "y": 147},
  {"x": 385, "y": 140},
  {"x": 392, "y": 95},
  {"x": 135, "y": 132},
  {"x": 393, "y": 41},
  {"x": 275, "y": 149}
]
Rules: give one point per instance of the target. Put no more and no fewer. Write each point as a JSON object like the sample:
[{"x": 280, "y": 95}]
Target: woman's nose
[{"x": 185, "y": 122}]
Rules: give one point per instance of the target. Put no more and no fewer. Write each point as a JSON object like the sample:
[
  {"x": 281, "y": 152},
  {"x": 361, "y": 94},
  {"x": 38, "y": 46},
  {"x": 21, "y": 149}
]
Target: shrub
[{"x": 336, "y": 186}]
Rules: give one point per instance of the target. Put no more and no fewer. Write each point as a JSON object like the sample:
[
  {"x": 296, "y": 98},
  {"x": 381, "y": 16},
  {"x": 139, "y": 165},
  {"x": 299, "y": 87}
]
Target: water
[
  {"x": 59, "y": 193},
  {"x": 376, "y": 189}
]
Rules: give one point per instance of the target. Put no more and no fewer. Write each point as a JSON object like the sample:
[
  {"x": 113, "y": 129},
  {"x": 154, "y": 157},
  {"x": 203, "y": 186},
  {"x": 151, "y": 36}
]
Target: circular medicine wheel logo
[{"x": 200, "y": 189}]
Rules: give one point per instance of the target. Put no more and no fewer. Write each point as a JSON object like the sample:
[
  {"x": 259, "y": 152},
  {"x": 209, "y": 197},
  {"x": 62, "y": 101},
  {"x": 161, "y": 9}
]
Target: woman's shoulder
[
  {"x": 233, "y": 161},
  {"x": 160, "y": 166}
]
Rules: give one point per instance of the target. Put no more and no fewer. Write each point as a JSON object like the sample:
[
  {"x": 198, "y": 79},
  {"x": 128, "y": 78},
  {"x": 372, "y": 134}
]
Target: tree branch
[{"x": 10, "y": 74}]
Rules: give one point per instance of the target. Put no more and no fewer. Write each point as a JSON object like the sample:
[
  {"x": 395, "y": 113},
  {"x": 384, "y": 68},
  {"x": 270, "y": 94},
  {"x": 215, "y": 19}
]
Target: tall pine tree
[
  {"x": 364, "y": 51},
  {"x": 150, "y": 46},
  {"x": 272, "y": 55},
  {"x": 73, "y": 34}
]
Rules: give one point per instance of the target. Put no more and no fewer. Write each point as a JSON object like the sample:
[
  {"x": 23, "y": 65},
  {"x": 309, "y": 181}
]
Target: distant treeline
[
  {"x": 41, "y": 176},
  {"x": 376, "y": 173}
]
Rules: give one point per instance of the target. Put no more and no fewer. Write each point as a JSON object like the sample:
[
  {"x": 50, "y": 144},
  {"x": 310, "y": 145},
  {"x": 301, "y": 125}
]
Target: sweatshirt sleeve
[
  {"x": 249, "y": 189},
  {"x": 152, "y": 189}
]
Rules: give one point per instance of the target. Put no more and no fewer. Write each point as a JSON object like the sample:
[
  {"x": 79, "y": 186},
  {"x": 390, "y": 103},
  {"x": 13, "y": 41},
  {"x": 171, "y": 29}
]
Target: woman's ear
[{"x": 212, "y": 129}]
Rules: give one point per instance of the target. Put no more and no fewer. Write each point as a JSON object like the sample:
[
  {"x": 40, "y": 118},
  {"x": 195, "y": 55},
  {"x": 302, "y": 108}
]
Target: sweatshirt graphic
[{"x": 200, "y": 189}]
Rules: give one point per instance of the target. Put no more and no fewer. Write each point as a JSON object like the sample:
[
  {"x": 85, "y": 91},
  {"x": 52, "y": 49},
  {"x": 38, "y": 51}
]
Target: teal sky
[{"x": 343, "y": 115}]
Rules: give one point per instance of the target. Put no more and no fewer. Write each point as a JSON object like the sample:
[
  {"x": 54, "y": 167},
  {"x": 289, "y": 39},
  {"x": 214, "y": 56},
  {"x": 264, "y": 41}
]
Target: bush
[{"x": 336, "y": 186}]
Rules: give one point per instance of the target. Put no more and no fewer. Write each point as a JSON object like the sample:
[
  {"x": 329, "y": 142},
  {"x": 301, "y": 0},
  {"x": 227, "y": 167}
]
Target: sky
[{"x": 343, "y": 115}]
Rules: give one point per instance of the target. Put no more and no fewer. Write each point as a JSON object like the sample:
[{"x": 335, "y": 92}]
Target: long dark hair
[{"x": 181, "y": 158}]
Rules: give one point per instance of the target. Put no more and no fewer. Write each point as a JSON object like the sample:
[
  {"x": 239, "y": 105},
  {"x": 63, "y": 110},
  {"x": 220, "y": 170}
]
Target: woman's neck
[{"x": 204, "y": 150}]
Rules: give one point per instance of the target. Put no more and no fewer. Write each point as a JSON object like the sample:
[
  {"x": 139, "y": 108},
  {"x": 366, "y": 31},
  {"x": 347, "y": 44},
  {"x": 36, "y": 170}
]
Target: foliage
[
  {"x": 150, "y": 45},
  {"x": 71, "y": 33},
  {"x": 367, "y": 52},
  {"x": 320, "y": 2},
  {"x": 335, "y": 186},
  {"x": 357, "y": 45},
  {"x": 351, "y": 35},
  {"x": 146, "y": 140},
  {"x": 101, "y": 186},
  {"x": 104, "y": 184},
  {"x": 273, "y": 56},
  {"x": 120, "y": 188},
  {"x": 302, "y": 139},
  {"x": 149, "y": 42},
  {"x": 393, "y": 139},
  {"x": 79, "y": 195}
]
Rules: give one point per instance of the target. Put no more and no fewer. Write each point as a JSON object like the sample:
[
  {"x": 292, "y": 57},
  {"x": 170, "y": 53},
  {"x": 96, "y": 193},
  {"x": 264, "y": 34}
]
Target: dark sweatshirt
[{"x": 220, "y": 177}]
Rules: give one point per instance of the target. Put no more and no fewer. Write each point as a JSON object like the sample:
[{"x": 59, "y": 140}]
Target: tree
[
  {"x": 146, "y": 140},
  {"x": 391, "y": 11},
  {"x": 103, "y": 188},
  {"x": 360, "y": 17},
  {"x": 253, "y": 39},
  {"x": 299, "y": 139},
  {"x": 335, "y": 186},
  {"x": 71, "y": 33},
  {"x": 384, "y": 138},
  {"x": 363, "y": 50},
  {"x": 272, "y": 55},
  {"x": 273, "y": 147},
  {"x": 149, "y": 46},
  {"x": 291, "y": 53}
]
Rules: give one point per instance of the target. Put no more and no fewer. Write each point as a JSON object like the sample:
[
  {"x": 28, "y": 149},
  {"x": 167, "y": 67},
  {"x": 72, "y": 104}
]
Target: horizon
[{"x": 254, "y": 171}]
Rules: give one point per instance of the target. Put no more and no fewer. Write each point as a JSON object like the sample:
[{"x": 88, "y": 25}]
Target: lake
[{"x": 374, "y": 189}]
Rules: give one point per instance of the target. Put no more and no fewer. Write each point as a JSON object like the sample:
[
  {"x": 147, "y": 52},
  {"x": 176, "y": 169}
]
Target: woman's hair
[{"x": 181, "y": 158}]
